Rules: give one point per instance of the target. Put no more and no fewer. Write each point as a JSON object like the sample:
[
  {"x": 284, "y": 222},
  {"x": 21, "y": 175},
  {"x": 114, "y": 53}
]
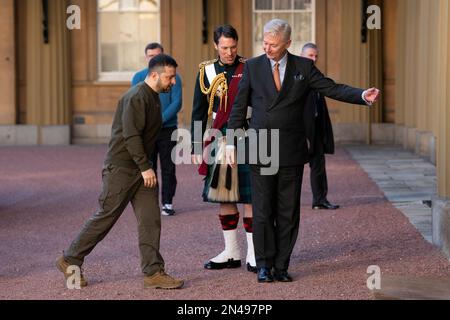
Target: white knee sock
[
  {"x": 250, "y": 250},
  {"x": 231, "y": 247}
]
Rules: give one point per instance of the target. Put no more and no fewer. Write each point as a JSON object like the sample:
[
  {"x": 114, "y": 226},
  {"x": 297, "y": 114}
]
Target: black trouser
[
  {"x": 318, "y": 177},
  {"x": 121, "y": 186},
  {"x": 276, "y": 215},
  {"x": 163, "y": 147}
]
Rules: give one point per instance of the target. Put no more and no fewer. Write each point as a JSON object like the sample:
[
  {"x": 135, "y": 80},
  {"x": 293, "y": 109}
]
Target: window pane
[
  {"x": 260, "y": 20},
  {"x": 298, "y": 13},
  {"x": 108, "y": 5},
  {"x": 263, "y": 4},
  {"x": 109, "y": 27},
  {"x": 148, "y": 28},
  {"x": 302, "y": 31},
  {"x": 148, "y": 5},
  {"x": 283, "y": 4},
  {"x": 129, "y": 56},
  {"x": 289, "y": 17},
  {"x": 302, "y": 4},
  {"x": 127, "y": 5},
  {"x": 110, "y": 54},
  {"x": 124, "y": 33},
  {"x": 302, "y": 27}
]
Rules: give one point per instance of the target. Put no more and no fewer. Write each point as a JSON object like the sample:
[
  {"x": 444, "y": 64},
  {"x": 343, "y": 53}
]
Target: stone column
[
  {"x": 353, "y": 62},
  {"x": 216, "y": 17},
  {"x": 400, "y": 66},
  {"x": 8, "y": 112},
  {"x": 239, "y": 15},
  {"x": 443, "y": 82},
  {"x": 412, "y": 13},
  {"x": 48, "y": 73},
  {"x": 441, "y": 204}
]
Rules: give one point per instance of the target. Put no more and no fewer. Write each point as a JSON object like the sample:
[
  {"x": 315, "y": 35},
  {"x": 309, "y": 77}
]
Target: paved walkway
[
  {"x": 46, "y": 194},
  {"x": 407, "y": 180}
]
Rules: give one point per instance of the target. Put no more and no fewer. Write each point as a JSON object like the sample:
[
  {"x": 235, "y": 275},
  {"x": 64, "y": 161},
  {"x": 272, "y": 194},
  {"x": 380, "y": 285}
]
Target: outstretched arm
[{"x": 341, "y": 92}]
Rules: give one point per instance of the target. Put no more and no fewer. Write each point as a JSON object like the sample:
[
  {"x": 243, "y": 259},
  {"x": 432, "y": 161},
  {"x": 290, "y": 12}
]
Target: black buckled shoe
[
  {"x": 230, "y": 264},
  {"x": 282, "y": 276},
  {"x": 264, "y": 275},
  {"x": 251, "y": 269},
  {"x": 325, "y": 205}
]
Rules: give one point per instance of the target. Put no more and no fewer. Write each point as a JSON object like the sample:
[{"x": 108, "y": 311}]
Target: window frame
[
  {"x": 283, "y": 11},
  {"x": 121, "y": 76}
]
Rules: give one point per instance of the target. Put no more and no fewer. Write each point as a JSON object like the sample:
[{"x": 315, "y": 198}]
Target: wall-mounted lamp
[
  {"x": 364, "y": 5},
  {"x": 45, "y": 20}
]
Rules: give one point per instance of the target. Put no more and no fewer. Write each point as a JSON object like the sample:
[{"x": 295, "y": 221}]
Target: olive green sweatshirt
[{"x": 136, "y": 125}]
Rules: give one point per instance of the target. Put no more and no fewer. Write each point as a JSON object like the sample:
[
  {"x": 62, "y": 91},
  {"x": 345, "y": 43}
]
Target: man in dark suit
[
  {"x": 320, "y": 135},
  {"x": 275, "y": 85}
]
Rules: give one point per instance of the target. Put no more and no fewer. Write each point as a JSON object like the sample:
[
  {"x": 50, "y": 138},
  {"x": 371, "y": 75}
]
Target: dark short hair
[
  {"x": 226, "y": 31},
  {"x": 160, "y": 61},
  {"x": 153, "y": 46}
]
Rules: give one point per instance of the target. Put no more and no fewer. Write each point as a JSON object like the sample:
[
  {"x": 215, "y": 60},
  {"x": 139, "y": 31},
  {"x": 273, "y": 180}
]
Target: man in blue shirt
[{"x": 170, "y": 106}]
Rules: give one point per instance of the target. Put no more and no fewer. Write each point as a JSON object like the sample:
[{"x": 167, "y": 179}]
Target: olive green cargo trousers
[{"x": 121, "y": 186}]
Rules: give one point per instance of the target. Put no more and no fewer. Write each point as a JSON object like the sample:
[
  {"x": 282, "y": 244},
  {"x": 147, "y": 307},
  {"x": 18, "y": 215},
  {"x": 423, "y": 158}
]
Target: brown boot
[
  {"x": 62, "y": 266},
  {"x": 161, "y": 280}
]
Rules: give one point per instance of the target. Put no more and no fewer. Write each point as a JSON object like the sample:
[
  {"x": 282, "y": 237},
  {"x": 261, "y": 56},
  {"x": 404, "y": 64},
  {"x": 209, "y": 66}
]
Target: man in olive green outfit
[{"x": 128, "y": 177}]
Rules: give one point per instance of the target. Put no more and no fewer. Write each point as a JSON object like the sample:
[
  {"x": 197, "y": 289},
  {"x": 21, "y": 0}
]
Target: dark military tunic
[{"x": 200, "y": 113}]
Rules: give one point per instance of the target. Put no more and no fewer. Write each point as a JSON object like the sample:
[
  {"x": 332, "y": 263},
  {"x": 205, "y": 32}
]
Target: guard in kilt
[{"x": 216, "y": 87}]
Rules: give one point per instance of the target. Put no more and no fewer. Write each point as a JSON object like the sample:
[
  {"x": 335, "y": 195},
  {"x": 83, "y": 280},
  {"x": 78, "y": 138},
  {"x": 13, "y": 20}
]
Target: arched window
[
  {"x": 125, "y": 27},
  {"x": 299, "y": 14}
]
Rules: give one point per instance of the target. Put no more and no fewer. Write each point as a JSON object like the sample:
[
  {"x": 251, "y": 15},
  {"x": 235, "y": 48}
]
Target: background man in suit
[
  {"x": 275, "y": 86},
  {"x": 320, "y": 135}
]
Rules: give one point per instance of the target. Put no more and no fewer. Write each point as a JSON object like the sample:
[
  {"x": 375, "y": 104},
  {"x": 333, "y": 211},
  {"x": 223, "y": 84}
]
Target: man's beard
[{"x": 162, "y": 89}]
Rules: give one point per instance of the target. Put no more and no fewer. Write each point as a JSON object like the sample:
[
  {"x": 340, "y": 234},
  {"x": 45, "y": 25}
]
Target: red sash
[{"x": 224, "y": 113}]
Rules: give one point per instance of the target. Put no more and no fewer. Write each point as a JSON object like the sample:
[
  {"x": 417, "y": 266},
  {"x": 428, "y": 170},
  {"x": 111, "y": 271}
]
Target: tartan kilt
[{"x": 245, "y": 191}]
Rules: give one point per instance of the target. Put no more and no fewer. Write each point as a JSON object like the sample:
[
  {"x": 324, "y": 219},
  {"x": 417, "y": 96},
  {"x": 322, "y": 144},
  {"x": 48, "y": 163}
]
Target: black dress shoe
[
  {"x": 251, "y": 269},
  {"x": 231, "y": 263},
  {"x": 264, "y": 275},
  {"x": 326, "y": 205},
  {"x": 282, "y": 276}
]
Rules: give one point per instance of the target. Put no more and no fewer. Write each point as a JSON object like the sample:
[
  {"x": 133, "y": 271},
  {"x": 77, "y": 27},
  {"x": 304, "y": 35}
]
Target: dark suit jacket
[
  {"x": 319, "y": 130},
  {"x": 284, "y": 110}
]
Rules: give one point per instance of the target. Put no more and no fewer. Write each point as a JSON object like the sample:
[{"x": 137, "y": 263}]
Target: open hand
[
  {"x": 230, "y": 156},
  {"x": 371, "y": 95}
]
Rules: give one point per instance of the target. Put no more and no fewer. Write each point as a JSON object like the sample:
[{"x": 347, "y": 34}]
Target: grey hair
[
  {"x": 278, "y": 27},
  {"x": 310, "y": 45}
]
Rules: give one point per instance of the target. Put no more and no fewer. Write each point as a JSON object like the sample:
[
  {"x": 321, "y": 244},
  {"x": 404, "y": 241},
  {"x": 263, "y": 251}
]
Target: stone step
[{"x": 413, "y": 288}]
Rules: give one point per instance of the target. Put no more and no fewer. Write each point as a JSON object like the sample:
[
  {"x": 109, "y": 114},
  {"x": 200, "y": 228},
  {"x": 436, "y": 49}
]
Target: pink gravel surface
[{"x": 46, "y": 194}]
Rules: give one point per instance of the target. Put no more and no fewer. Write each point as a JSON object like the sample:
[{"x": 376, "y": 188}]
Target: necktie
[{"x": 276, "y": 76}]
